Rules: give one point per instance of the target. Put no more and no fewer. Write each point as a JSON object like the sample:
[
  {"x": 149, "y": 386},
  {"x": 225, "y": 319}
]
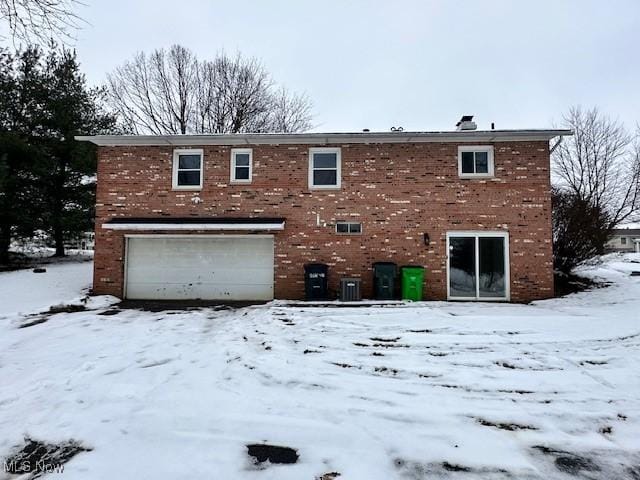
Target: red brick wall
[{"x": 398, "y": 192}]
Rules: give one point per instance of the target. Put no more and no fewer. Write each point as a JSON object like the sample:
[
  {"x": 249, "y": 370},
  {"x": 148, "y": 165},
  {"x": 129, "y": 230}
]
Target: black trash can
[
  {"x": 384, "y": 280},
  {"x": 315, "y": 281}
]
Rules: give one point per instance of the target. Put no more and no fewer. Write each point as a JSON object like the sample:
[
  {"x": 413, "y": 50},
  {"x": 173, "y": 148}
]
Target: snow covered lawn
[{"x": 417, "y": 391}]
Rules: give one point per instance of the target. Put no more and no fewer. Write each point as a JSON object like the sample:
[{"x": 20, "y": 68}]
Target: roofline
[{"x": 239, "y": 139}]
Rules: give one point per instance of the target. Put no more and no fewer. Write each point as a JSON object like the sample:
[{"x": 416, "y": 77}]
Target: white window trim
[
  {"x": 507, "y": 265},
  {"x": 338, "y": 153},
  {"x": 348, "y": 223},
  {"x": 241, "y": 151},
  {"x": 176, "y": 156},
  {"x": 477, "y": 148}
]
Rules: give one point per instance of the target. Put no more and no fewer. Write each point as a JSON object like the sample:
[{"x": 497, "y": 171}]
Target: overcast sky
[{"x": 417, "y": 64}]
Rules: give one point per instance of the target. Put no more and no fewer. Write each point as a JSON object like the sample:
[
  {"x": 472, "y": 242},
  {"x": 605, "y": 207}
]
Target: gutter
[{"x": 488, "y": 136}]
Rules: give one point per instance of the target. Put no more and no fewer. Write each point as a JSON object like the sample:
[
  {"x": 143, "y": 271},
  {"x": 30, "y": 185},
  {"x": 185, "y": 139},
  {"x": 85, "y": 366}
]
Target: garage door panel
[
  {"x": 159, "y": 274},
  {"x": 211, "y": 268},
  {"x": 182, "y": 291}
]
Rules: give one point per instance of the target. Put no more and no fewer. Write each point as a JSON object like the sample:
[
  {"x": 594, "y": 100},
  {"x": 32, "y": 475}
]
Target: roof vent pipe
[{"x": 466, "y": 123}]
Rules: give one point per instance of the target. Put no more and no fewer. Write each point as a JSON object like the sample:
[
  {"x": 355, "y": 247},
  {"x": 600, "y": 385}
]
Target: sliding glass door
[{"x": 478, "y": 265}]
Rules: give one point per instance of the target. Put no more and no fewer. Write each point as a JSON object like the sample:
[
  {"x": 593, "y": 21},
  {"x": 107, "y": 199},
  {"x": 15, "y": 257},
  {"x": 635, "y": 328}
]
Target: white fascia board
[
  {"x": 320, "y": 139},
  {"x": 193, "y": 226}
]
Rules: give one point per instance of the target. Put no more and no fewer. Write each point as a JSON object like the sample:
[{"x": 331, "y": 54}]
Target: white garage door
[{"x": 223, "y": 267}]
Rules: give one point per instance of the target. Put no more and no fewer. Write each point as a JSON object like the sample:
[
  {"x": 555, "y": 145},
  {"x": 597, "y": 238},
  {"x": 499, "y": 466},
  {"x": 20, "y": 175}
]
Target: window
[
  {"x": 478, "y": 265},
  {"x": 241, "y": 165},
  {"x": 475, "y": 161},
  {"x": 349, "y": 228},
  {"x": 324, "y": 168},
  {"x": 623, "y": 240},
  {"x": 187, "y": 169}
]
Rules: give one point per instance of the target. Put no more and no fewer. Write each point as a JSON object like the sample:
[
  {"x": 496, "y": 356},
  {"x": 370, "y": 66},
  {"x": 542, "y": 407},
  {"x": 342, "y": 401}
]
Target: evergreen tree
[{"x": 45, "y": 175}]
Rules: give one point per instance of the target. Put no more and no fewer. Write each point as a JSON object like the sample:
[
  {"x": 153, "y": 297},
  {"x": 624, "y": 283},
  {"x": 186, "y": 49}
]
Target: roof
[
  {"x": 627, "y": 226},
  {"x": 326, "y": 138},
  {"x": 626, "y": 231}
]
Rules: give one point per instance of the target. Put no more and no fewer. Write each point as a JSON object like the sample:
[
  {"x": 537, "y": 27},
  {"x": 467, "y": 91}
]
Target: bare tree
[
  {"x": 173, "y": 92},
  {"x": 600, "y": 164},
  {"x": 40, "y": 20},
  {"x": 156, "y": 93},
  {"x": 290, "y": 112}
]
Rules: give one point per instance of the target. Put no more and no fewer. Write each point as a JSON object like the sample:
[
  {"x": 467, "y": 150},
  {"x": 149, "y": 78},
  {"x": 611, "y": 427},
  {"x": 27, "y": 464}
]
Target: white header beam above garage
[{"x": 193, "y": 226}]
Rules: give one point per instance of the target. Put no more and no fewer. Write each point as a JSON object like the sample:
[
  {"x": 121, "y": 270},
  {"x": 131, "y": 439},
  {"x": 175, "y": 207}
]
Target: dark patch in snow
[
  {"x": 311, "y": 351},
  {"x": 112, "y": 311},
  {"x": 378, "y": 339},
  {"x": 506, "y": 365},
  {"x": 328, "y": 476},
  {"x": 593, "y": 362},
  {"x": 566, "y": 284},
  {"x": 378, "y": 354},
  {"x": 390, "y": 345},
  {"x": 358, "y": 344},
  {"x": 511, "y": 427},
  {"x": 344, "y": 365},
  {"x": 426, "y": 330},
  {"x": 519, "y": 392},
  {"x": 454, "y": 467},
  {"x": 606, "y": 430},
  {"x": 156, "y": 306},
  {"x": 66, "y": 309},
  {"x": 391, "y": 371},
  {"x": 37, "y": 458},
  {"x": 156, "y": 363},
  {"x": 35, "y": 321},
  {"x": 44, "y": 270},
  {"x": 634, "y": 472},
  {"x": 419, "y": 471},
  {"x": 568, "y": 462},
  {"x": 272, "y": 453}
]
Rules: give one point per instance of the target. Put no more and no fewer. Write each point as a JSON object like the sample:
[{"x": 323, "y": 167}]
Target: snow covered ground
[
  {"x": 23, "y": 291},
  {"x": 416, "y": 391}
]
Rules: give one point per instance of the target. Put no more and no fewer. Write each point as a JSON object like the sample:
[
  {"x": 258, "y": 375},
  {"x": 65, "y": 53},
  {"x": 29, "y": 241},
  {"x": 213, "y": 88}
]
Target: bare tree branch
[
  {"x": 173, "y": 92},
  {"x": 38, "y": 21},
  {"x": 600, "y": 164}
]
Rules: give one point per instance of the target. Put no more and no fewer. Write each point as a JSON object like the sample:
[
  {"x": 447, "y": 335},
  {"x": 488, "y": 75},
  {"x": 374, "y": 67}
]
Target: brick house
[{"x": 236, "y": 216}]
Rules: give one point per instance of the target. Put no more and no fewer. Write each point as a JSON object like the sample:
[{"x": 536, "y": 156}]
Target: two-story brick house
[{"x": 236, "y": 216}]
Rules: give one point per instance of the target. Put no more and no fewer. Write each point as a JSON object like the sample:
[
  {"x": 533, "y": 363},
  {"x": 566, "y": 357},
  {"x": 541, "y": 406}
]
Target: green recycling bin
[{"x": 412, "y": 281}]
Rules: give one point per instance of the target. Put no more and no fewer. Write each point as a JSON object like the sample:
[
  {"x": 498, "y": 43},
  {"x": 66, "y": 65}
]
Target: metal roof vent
[{"x": 466, "y": 123}]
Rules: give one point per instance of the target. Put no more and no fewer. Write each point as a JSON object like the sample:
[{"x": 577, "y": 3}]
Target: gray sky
[{"x": 419, "y": 64}]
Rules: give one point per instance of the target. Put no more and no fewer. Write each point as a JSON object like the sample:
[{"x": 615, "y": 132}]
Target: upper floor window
[
  {"x": 623, "y": 240},
  {"x": 187, "y": 169},
  {"x": 241, "y": 165},
  {"x": 324, "y": 168},
  {"x": 475, "y": 161}
]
